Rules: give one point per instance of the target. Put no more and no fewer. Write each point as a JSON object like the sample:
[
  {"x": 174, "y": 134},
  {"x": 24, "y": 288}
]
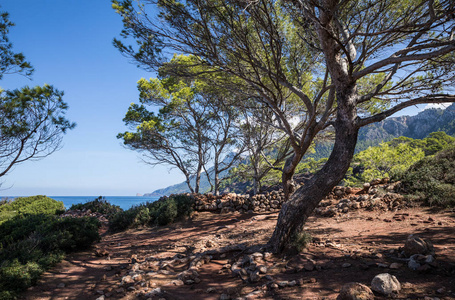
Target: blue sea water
[{"x": 125, "y": 202}]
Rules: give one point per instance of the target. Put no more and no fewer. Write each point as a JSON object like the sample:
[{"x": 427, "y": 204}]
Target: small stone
[
  {"x": 100, "y": 292},
  {"x": 61, "y": 285},
  {"x": 101, "y": 298},
  {"x": 283, "y": 284},
  {"x": 413, "y": 265},
  {"x": 274, "y": 286},
  {"x": 441, "y": 290},
  {"x": 292, "y": 283},
  {"x": 309, "y": 266},
  {"x": 385, "y": 284},
  {"x": 417, "y": 245},
  {"x": 355, "y": 291},
  {"x": 382, "y": 265},
  {"x": 131, "y": 288},
  {"x": 262, "y": 269},
  {"x": 346, "y": 265},
  {"x": 395, "y": 265}
]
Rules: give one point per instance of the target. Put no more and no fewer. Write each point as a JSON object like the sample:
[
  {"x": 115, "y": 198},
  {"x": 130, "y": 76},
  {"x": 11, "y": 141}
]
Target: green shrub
[
  {"x": 164, "y": 211},
  {"x": 34, "y": 205},
  {"x": 100, "y": 205},
  {"x": 433, "y": 179},
  {"x": 17, "y": 277},
  {"x": 30, "y": 244}
]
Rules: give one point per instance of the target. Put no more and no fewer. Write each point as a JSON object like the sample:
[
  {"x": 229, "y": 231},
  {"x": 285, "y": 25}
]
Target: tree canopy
[
  {"x": 32, "y": 120},
  {"x": 316, "y": 64}
]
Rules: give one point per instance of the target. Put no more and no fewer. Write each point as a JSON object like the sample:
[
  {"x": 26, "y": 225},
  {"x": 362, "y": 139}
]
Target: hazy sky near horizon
[{"x": 69, "y": 43}]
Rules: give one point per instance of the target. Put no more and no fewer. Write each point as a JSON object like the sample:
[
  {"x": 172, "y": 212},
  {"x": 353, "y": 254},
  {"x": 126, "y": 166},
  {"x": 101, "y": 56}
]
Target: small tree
[
  {"x": 32, "y": 120},
  {"x": 193, "y": 129}
]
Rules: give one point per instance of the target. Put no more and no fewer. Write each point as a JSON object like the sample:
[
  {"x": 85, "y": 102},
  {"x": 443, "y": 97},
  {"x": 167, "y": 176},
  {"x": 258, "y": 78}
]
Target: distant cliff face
[{"x": 416, "y": 127}]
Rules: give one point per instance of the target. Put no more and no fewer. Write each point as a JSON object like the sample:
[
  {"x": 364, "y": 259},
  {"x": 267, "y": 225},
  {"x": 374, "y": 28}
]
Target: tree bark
[{"x": 296, "y": 211}]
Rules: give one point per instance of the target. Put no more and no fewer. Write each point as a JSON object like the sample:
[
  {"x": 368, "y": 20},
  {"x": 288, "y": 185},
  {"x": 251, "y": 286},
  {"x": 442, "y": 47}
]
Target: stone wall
[{"x": 377, "y": 194}]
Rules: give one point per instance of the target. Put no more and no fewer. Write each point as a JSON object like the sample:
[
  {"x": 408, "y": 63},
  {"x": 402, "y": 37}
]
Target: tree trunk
[
  {"x": 198, "y": 178},
  {"x": 188, "y": 183},
  {"x": 296, "y": 211},
  {"x": 217, "y": 182}
]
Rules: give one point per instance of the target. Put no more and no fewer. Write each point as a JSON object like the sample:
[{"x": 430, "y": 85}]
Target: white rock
[{"x": 385, "y": 284}]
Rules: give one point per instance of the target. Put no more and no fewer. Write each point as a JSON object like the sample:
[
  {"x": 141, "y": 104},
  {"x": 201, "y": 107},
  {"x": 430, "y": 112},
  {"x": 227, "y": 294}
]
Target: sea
[{"x": 125, "y": 202}]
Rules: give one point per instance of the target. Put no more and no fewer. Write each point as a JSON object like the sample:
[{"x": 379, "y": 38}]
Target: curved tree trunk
[{"x": 296, "y": 211}]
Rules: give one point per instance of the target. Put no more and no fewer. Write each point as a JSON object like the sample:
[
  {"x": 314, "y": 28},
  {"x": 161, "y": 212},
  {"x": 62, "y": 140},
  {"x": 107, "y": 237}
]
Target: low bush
[
  {"x": 164, "y": 211},
  {"x": 33, "y": 205},
  {"x": 32, "y": 243},
  {"x": 301, "y": 241},
  {"x": 433, "y": 179},
  {"x": 100, "y": 205}
]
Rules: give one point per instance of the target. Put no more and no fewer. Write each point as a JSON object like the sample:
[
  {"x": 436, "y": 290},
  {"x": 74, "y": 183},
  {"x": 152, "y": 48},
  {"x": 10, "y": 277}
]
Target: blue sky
[{"x": 70, "y": 45}]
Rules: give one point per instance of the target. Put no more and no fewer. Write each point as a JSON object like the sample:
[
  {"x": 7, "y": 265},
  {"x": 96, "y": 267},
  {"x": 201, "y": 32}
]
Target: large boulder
[
  {"x": 417, "y": 245},
  {"x": 385, "y": 284},
  {"x": 355, "y": 291}
]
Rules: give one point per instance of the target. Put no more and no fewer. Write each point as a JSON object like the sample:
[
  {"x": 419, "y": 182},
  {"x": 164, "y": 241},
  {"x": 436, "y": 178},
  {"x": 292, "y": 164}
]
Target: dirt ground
[{"x": 350, "y": 248}]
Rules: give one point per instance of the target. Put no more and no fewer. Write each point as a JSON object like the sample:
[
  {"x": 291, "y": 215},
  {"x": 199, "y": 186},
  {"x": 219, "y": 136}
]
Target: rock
[
  {"x": 309, "y": 266},
  {"x": 210, "y": 290},
  {"x": 274, "y": 286},
  {"x": 346, "y": 265},
  {"x": 395, "y": 265},
  {"x": 417, "y": 245},
  {"x": 292, "y": 283},
  {"x": 413, "y": 265},
  {"x": 385, "y": 284},
  {"x": 127, "y": 279},
  {"x": 355, "y": 291},
  {"x": 100, "y": 298},
  {"x": 262, "y": 269},
  {"x": 61, "y": 285},
  {"x": 283, "y": 284}
]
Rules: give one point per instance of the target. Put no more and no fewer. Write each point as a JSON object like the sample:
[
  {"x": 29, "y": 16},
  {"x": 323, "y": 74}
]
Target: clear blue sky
[{"x": 69, "y": 43}]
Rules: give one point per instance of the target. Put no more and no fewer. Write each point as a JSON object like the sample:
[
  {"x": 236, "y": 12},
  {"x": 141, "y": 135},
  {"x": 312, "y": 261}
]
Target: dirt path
[{"x": 354, "y": 247}]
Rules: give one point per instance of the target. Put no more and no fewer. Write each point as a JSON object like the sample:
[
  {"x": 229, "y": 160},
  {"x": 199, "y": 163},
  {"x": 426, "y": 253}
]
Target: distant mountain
[
  {"x": 183, "y": 187},
  {"x": 416, "y": 127}
]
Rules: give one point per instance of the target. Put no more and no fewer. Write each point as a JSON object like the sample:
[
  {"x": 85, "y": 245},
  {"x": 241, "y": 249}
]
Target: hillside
[{"x": 416, "y": 127}]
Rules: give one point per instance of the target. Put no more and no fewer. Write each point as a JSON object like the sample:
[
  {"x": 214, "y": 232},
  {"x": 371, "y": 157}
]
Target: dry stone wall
[{"x": 378, "y": 194}]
